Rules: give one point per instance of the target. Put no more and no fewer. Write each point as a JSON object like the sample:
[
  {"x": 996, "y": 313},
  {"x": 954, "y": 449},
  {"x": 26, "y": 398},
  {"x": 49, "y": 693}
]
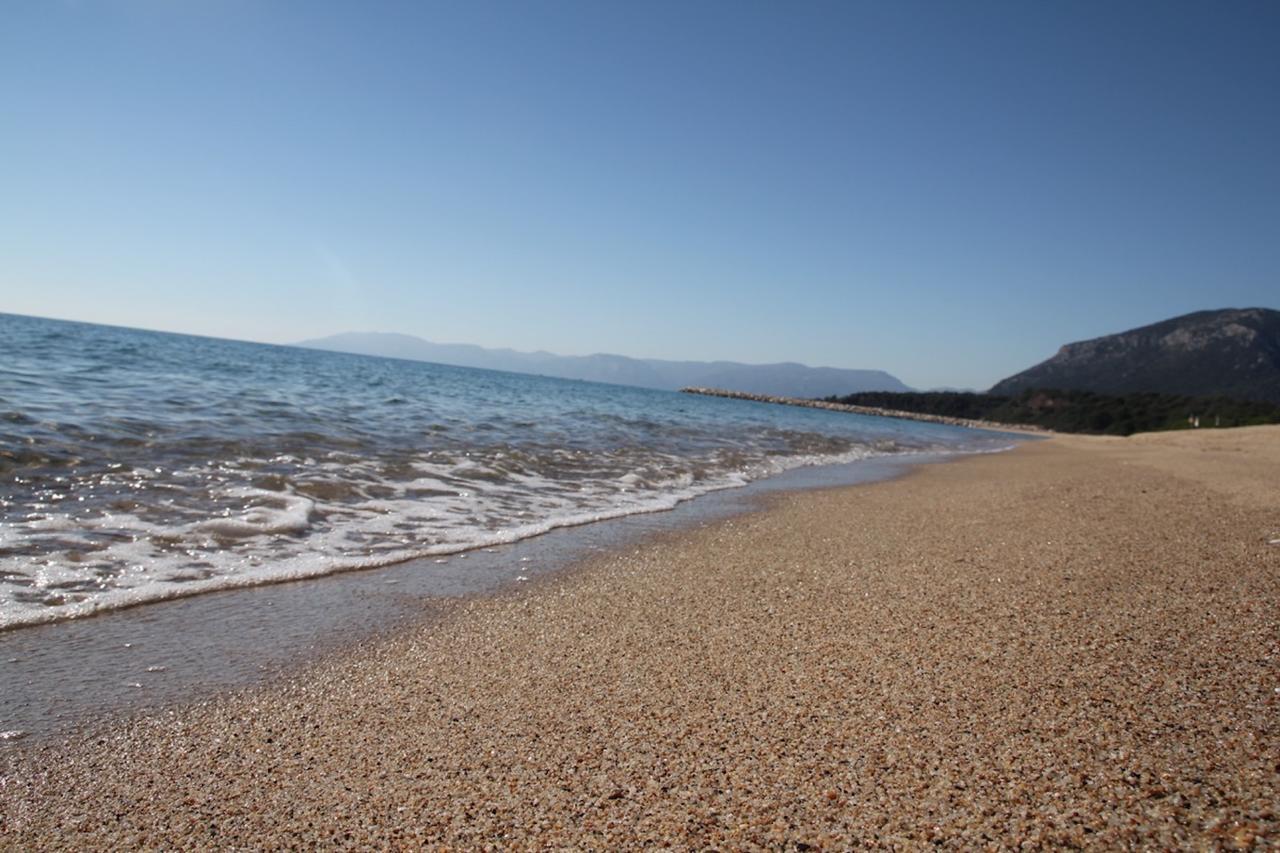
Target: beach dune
[{"x": 1075, "y": 643}]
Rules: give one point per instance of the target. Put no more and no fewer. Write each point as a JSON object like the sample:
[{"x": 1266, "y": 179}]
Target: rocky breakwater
[{"x": 864, "y": 410}]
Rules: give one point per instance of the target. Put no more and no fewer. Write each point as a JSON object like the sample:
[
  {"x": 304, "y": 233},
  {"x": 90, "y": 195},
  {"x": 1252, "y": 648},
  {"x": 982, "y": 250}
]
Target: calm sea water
[{"x": 138, "y": 466}]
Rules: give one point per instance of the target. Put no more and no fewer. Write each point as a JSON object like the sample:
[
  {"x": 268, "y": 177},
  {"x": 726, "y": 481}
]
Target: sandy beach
[{"x": 1075, "y": 643}]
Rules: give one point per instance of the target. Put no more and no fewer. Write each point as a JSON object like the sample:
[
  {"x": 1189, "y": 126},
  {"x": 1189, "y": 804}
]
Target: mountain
[
  {"x": 1231, "y": 352},
  {"x": 784, "y": 380}
]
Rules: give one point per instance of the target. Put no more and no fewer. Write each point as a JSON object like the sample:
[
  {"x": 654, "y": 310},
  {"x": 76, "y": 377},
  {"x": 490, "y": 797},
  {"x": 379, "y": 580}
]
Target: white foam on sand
[{"x": 261, "y": 536}]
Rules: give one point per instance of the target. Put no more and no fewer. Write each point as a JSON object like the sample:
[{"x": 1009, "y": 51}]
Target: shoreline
[
  {"x": 553, "y": 529},
  {"x": 901, "y": 414},
  {"x": 57, "y": 676},
  {"x": 1066, "y": 643}
]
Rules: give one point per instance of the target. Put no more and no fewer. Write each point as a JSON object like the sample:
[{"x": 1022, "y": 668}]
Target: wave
[{"x": 279, "y": 536}]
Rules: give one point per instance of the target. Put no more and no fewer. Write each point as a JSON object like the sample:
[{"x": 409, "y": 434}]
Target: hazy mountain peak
[{"x": 787, "y": 379}]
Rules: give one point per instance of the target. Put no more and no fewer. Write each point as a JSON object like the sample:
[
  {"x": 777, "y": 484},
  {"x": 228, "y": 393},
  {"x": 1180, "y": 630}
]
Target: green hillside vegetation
[{"x": 1077, "y": 411}]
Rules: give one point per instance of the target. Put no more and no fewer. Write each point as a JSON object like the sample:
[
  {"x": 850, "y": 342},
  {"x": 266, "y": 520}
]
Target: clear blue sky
[{"x": 947, "y": 191}]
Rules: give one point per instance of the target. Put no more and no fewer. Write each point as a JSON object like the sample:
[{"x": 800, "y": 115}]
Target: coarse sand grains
[{"x": 1073, "y": 644}]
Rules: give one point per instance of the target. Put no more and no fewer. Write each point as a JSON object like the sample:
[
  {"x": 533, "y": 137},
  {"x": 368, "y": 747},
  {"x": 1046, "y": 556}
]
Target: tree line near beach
[{"x": 1076, "y": 411}]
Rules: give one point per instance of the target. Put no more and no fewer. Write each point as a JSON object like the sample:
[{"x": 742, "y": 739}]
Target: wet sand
[
  {"x": 57, "y": 676},
  {"x": 1074, "y": 643}
]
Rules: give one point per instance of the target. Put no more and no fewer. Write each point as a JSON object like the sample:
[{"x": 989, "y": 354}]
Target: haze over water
[{"x": 137, "y": 466}]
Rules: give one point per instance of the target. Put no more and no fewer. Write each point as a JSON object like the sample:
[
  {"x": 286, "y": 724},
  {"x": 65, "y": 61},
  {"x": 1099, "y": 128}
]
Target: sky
[{"x": 947, "y": 191}]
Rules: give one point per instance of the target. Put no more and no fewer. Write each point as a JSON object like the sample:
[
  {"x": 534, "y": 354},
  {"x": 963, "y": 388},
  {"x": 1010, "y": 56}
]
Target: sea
[{"x": 138, "y": 466}]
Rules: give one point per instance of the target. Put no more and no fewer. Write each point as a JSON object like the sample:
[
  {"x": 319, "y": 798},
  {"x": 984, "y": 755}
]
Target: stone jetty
[{"x": 865, "y": 410}]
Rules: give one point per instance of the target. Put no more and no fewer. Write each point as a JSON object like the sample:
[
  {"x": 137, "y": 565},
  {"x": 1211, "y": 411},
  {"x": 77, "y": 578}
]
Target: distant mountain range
[
  {"x": 786, "y": 379},
  {"x": 1231, "y": 353}
]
